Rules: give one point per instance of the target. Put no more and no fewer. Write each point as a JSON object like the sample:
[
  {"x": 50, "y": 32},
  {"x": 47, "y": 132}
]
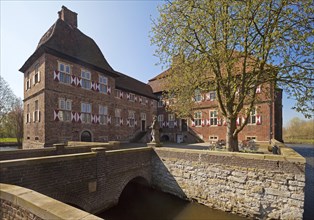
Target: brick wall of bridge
[{"x": 92, "y": 181}]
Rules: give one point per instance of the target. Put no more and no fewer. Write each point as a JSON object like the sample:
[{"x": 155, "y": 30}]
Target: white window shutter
[
  {"x": 34, "y": 116},
  {"x": 38, "y": 76},
  {"x": 34, "y": 80}
]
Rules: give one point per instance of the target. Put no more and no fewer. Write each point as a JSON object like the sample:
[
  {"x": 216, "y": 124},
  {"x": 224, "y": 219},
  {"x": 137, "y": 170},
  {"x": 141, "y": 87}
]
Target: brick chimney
[{"x": 68, "y": 16}]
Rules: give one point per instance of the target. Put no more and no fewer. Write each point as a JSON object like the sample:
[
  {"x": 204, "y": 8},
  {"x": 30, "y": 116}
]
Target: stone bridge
[
  {"x": 92, "y": 181},
  {"x": 93, "y": 177}
]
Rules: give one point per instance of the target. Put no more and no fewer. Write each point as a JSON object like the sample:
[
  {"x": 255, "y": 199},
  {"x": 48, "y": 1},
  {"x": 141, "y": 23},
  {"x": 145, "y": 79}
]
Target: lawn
[
  {"x": 8, "y": 140},
  {"x": 299, "y": 141}
]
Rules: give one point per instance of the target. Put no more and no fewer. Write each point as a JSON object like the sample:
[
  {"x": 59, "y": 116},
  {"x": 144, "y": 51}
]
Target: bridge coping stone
[{"x": 40, "y": 205}]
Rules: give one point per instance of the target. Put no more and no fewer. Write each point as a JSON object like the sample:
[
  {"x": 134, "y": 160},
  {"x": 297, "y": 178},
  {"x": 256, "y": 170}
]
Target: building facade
[
  {"x": 72, "y": 93},
  {"x": 265, "y": 122}
]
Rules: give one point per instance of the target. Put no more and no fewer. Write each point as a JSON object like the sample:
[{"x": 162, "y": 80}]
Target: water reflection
[
  {"x": 307, "y": 151},
  {"x": 142, "y": 203}
]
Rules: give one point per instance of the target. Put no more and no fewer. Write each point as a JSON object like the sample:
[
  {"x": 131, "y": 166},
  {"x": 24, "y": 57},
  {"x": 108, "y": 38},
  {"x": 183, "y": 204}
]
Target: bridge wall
[
  {"x": 261, "y": 186},
  {"x": 22, "y": 203},
  {"x": 92, "y": 181}
]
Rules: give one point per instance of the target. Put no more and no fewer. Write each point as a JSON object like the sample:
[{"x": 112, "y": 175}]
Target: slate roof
[
  {"x": 69, "y": 42},
  {"x": 158, "y": 82},
  {"x": 130, "y": 84}
]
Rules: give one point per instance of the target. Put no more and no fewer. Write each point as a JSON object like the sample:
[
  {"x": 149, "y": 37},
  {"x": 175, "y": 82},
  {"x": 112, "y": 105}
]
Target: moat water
[{"x": 142, "y": 203}]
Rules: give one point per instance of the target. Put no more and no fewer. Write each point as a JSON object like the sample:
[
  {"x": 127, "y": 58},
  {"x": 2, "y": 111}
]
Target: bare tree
[{"x": 7, "y": 99}]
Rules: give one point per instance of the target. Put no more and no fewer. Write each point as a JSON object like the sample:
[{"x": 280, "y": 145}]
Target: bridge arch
[{"x": 142, "y": 178}]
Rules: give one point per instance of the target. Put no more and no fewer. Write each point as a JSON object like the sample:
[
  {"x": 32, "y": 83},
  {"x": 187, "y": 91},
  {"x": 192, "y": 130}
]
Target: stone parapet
[{"x": 22, "y": 203}]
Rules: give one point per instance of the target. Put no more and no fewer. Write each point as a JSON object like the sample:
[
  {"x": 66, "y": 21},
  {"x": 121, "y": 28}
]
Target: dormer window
[
  {"x": 65, "y": 73},
  {"x": 86, "y": 77}
]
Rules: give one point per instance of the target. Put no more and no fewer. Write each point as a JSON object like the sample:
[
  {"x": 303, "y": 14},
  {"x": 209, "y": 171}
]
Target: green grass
[
  {"x": 8, "y": 140},
  {"x": 298, "y": 141}
]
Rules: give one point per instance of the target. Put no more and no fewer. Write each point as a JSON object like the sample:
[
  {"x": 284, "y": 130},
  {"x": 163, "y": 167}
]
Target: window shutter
[
  {"x": 193, "y": 123},
  {"x": 34, "y": 80},
  {"x": 38, "y": 116},
  {"x": 38, "y": 76},
  {"x": 258, "y": 119},
  {"x": 34, "y": 116},
  {"x": 258, "y": 89}
]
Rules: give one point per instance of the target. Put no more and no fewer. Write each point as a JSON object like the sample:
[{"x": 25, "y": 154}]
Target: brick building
[
  {"x": 72, "y": 93},
  {"x": 265, "y": 122}
]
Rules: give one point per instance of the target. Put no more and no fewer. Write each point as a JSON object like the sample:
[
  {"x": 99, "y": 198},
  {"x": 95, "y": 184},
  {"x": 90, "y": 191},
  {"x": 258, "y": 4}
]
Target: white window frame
[
  {"x": 252, "y": 118},
  {"x": 28, "y": 81},
  {"x": 86, "y": 79},
  {"x": 36, "y": 116},
  {"x": 198, "y": 96},
  {"x": 198, "y": 118},
  {"x": 131, "y": 118},
  {"x": 160, "y": 119},
  {"x": 117, "y": 93},
  {"x": 65, "y": 73},
  {"x": 132, "y": 97},
  {"x": 143, "y": 116},
  {"x": 86, "y": 110},
  {"x": 37, "y": 74},
  {"x": 117, "y": 116},
  {"x": 65, "y": 108},
  {"x": 213, "y": 114},
  {"x": 103, "y": 113},
  {"x": 103, "y": 84},
  {"x": 28, "y": 115},
  {"x": 213, "y": 93}
]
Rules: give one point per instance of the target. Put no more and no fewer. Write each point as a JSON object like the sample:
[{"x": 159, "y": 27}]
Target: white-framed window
[
  {"x": 117, "y": 116},
  {"x": 28, "y": 115},
  {"x": 198, "y": 118},
  {"x": 143, "y": 116},
  {"x": 103, "y": 84},
  {"x": 86, "y": 79},
  {"x": 65, "y": 72},
  {"x": 132, "y": 97},
  {"x": 65, "y": 108},
  {"x": 131, "y": 117},
  {"x": 211, "y": 96},
  {"x": 103, "y": 112},
  {"x": 160, "y": 103},
  {"x": 37, "y": 74},
  {"x": 117, "y": 93},
  {"x": 252, "y": 117},
  {"x": 198, "y": 95},
  {"x": 171, "y": 119},
  {"x": 213, "y": 117},
  {"x": 28, "y": 81},
  {"x": 36, "y": 116},
  {"x": 86, "y": 110},
  {"x": 144, "y": 100},
  {"x": 160, "y": 119}
]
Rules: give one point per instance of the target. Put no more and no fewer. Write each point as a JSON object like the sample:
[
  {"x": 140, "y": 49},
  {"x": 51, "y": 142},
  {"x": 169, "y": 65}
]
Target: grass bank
[
  {"x": 299, "y": 141},
  {"x": 8, "y": 140}
]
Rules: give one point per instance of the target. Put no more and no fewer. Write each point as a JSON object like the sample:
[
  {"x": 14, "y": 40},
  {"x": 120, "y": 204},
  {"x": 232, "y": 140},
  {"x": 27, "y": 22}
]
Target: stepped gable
[
  {"x": 65, "y": 40},
  {"x": 130, "y": 84}
]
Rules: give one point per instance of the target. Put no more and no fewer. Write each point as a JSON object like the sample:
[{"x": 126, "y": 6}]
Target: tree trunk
[{"x": 232, "y": 140}]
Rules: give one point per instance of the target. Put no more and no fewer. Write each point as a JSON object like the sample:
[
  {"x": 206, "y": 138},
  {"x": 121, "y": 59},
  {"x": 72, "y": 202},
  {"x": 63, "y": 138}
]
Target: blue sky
[{"x": 120, "y": 28}]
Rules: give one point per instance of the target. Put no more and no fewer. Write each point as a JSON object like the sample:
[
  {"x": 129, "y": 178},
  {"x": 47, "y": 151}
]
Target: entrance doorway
[
  {"x": 143, "y": 125},
  {"x": 86, "y": 136},
  {"x": 184, "y": 126}
]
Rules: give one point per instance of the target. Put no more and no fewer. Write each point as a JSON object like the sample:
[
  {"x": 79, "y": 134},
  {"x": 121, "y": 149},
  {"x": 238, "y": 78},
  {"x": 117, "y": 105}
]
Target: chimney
[{"x": 68, "y": 16}]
